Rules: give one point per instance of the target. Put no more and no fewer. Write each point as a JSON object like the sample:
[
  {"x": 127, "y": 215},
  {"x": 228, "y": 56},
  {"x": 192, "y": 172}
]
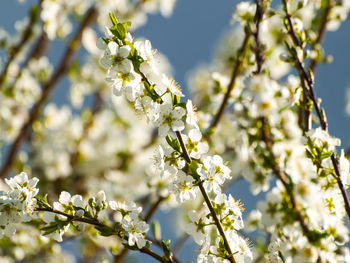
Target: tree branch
[
  {"x": 321, "y": 32},
  {"x": 27, "y": 34},
  {"x": 95, "y": 222},
  {"x": 259, "y": 48},
  {"x": 321, "y": 114},
  {"x": 231, "y": 85},
  {"x": 119, "y": 258},
  {"x": 46, "y": 91},
  {"x": 208, "y": 202},
  {"x": 282, "y": 176}
]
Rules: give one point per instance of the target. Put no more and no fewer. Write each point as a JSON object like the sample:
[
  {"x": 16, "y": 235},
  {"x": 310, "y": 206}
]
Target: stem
[
  {"x": 182, "y": 240},
  {"x": 95, "y": 222},
  {"x": 321, "y": 32},
  {"x": 217, "y": 222},
  {"x": 231, "y": 85},
  {"x": 321, "y": 115},
  {"x": 154, "y": 255},
  {"x": 46, "y": 91},
  {"x": 153, "y": 209},
  {"x": 27, "y": 34},
  {"x": 89, "y": 221},
  {"x": 207, "y": 201},
  {"x": 183, "y": 147},
  {"x": 341, "y": 185},
  {"x": 119, "y": 258},
  {"x": 204, "y": 193},
  {"x": 282, "y": 176},
  {"x": 259, "y": 49}
]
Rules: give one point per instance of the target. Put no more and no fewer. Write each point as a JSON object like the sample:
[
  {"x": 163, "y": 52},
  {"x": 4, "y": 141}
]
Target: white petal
[
  {"x": 113, "y": 48},
  {"x": 101, "y": 196},
  {"x": 124, "y": 51},
  {"x": 64, "y": 197},
  {"x": 178, "y": 125},
  {"x": 179, "y": 112},
  {"x": 106, "y": 62},
  {"x": 77, "y": 200},
  {"x": 113, "y": 205},
  {"x": 195, "y": 135},
  {"x": 163, "y": 130},
  {"x": 101, "y": 44}
]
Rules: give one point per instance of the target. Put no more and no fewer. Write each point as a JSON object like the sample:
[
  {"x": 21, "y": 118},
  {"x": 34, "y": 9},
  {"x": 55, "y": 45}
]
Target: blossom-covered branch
[
  {"x": 312, "y": 95},
  {"x": 46, "y": 91}
]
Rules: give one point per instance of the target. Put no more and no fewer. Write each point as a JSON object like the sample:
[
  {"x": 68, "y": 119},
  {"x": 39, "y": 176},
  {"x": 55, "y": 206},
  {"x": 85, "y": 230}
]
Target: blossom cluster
[
  {"x": 304, "y": 212},
  {"x": 132, "y": 70},
  {"x": 18, "y": 203},
  {"x": 21, "y": 204},
  {"x": 125, "y": 130}
]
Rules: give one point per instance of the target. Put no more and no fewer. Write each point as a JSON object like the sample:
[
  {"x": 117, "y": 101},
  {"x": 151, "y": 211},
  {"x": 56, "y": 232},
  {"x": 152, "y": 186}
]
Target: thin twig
[
  {"x": 282, "y": 176},
  {"x": 95, "y": 222},
  {"x": 119, "y": 258},
  {"x": 89, "y": 221},
  {"x": 207, "y": 201},
  {"x": 153, "y": 208},
  {"x": 46, "y": 91},
  {"x": 231, "y": 85},
  {"x": 321, "y": 114},
  {"x": 321, "y": 33},
  {"x": 259, "y": 48},
  {"x": 182, "y": 240},
  {"x": 305, "y": 110}
]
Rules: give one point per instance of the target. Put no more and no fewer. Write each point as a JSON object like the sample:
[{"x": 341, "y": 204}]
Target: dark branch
[
  {"x": 308, "y": 78},
  {"x": 208, "y": 202},
  {"x": 231, "y": 85}
]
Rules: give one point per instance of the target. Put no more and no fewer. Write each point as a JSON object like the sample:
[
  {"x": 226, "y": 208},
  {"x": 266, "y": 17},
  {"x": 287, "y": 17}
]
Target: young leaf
[
  {"x": 105, "y": 230},
  {"x": 114, "y": 20}
]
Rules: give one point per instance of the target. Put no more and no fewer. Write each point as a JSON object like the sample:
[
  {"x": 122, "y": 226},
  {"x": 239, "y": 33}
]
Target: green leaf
[
  {"x": 105, "y": 230},
  {"x": 193, "y": 170},
  {"x": 156, "y": 230},
  {"x": 173, "y": 143},
  {"x": 34, "y": 11},
  {"x": 54, "y": 226},
  {"x": 181, "y": 104},
  {"x": 122, "y": 29},
  {"x": 169, "y": 139},
  {"x": 166, "y": 249},
  {"x": 309, "y": 154},
  {"x": 74, "y": 68},
  {"x": 130, "y": 247},
  {"x": 42, "y": 201},
  {"x": 114, "y": 20},
  {"x": 92, "y": 202},
  {"x": 315, "y": 236},
  {"x": 149, "y": 90},
  {"x": 176, "y": 99},
  {"x": 326, "y": 155}
]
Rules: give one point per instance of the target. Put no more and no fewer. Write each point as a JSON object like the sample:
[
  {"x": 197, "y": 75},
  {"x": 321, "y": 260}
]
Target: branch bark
[
  {"x": 308, "y": 78},
  {"x": 235, "y": 71},
  {"x": 95, "y": 222}
]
